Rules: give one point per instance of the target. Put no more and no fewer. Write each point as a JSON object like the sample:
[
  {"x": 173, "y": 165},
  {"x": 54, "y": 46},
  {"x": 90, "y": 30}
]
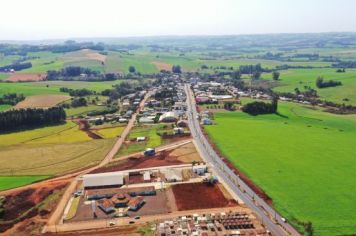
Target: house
[
  {"x": 146, "y": 120},
  {"x": 146, "y": 176},
  {"x": 200, "y": 169},
  {"x": 136, "y": 203},
  {"x": 140, "y": 139},
  {"x": 103, "y": 179},
  {"x": 170, "y": 116}
]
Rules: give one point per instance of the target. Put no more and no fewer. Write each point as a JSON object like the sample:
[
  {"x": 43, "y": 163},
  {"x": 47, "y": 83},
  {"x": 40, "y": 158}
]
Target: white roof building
[
  {"x": 170, "y": 116},
  {"x": 103, "y": 179}
]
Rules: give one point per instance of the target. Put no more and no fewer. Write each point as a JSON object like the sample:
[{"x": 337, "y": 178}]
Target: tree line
[
  {"x": 16, "y": 66},
  {"x": 77, "y": 92},
  {"x": 259, "y": 108},
  {"x": 31, "y": 117},
  {"x": 11, "y": 99},
  {"x": 320, "y": 83}
]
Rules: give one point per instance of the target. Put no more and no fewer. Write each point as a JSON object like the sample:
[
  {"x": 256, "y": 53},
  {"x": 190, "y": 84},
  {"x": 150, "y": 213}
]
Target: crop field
[
  {"x": 42, "y": 101},
  {"x": 111, "y": 132},
  {"x": 49, "y": 150},
  {"x": 303, "y": 159},
  {"x": 3, "y": 76},
  {"x": 8, "y": 182},
  {"x": 52, "y": 159},
  {"x": 76, "y": 111},
  {"x": 68, "y": 132}
]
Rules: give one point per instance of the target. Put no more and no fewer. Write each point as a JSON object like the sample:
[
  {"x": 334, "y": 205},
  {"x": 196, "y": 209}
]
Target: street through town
[{"x": 269, "y": 217}]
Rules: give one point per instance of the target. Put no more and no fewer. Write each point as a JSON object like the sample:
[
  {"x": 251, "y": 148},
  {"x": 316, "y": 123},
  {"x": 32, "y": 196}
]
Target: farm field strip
[{"x": 8, "y": 182}]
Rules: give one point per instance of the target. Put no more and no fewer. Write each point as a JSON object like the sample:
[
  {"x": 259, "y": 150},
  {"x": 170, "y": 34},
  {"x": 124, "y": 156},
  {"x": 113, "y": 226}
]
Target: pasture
[
  {"x": 298, "y": 78},
  {"x": 304, "y": 160}
]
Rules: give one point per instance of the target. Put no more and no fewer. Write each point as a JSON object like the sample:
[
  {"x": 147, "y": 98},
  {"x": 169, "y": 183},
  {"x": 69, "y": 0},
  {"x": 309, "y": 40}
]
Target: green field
[
  {"x": 52, "y": 87},
  {"x": 8, "y": 182},
  {"x": 304, "y": 160}
]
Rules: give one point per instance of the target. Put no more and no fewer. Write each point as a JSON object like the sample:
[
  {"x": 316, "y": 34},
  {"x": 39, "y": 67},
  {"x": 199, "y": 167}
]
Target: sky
[{"x": 61, "y": 19}]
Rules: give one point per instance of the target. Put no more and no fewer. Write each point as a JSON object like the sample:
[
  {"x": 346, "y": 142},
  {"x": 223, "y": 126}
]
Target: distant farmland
[
  {"x": 42, "y": 101},
  {"x": 304, "y": 161}
]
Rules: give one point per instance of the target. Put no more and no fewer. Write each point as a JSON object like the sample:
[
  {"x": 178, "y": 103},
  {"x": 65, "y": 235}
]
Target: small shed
[{"x": 200, "y": 169}]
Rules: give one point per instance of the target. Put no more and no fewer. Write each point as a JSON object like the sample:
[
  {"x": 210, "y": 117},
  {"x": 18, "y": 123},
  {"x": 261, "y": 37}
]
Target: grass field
[
  {"x": 52, "y": 87},
  {"x": 8, "y": 182},
  {"x": 4, "y": 107},
  {"x": 304, "y": 161},
  {"x": 150, "y": 132}
]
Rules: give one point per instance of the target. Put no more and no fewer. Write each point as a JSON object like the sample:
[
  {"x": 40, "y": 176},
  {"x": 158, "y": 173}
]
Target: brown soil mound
[
  {"x": 161, "y": 159},
  {"x": 199, "y": 196},
  {"x": 84, "y": 126},
  {"x": 21, "y": 205},
  {"x": 162, "y": 66},
  {"x": 31, "y": 77}
]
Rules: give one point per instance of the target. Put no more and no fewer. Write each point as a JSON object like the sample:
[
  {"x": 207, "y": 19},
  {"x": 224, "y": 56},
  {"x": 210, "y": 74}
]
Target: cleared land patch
[
  {"x": 305, "y": 162},
  {"x": 30, "y": 77},
  {"x": 42, "y": 101},
  {"x": 162, "y": 66},
  {"x": 209, "y": 196}
]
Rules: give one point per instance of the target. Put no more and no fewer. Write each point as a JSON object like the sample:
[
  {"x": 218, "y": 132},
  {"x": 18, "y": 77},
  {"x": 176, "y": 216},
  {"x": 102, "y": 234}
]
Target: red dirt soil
[
  {"x": 21, "y": 201},
  {"x": 161, "y": 159},
  {"x": 199, "y": 196},
  {"x": 84, "y": 126},
  {"x": 16, "y": 77}
]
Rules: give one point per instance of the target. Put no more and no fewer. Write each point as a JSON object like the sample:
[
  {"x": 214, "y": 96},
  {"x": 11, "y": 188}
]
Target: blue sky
[{"x": 47, "y": 19}]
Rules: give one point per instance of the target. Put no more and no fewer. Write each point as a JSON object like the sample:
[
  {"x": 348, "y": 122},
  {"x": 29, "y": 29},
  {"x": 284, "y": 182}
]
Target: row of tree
[
  {"x": 11, "y": 99},
  {"x": 16, "y": 66},
  {"x": 320, "y": 83},
  {"x": 30, "y": 117},
  {"x": 258, "y": 108},
  {"x": 77, "y": 92}
]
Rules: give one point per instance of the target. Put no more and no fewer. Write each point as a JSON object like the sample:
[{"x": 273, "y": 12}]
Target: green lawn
[
  {"x": 8, "y": 182},
  {"x": 305, "y": 162}
]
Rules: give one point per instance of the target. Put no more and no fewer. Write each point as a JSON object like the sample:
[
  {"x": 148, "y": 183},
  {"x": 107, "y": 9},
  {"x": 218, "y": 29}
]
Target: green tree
[
  {"x": 132, "y": 69},
  {"x": 275, "y": 75}
]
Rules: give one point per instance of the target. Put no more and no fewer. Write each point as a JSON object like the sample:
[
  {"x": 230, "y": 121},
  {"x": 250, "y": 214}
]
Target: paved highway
[{"x": 269, "y": 217}]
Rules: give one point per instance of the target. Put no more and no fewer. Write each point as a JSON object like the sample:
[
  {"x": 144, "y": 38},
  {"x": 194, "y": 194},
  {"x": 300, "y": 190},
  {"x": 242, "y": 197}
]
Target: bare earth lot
[
  {"x": 199, "y": 196},
  {"x": 42, "y": 101},
  {"x": 16, "y": 77}
]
